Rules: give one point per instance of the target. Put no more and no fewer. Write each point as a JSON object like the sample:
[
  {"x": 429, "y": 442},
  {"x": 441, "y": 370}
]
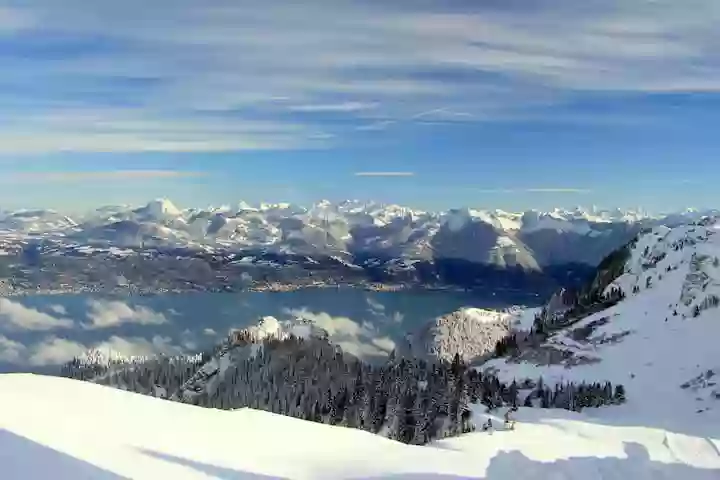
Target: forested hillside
[{"x": 406, "y": 399}]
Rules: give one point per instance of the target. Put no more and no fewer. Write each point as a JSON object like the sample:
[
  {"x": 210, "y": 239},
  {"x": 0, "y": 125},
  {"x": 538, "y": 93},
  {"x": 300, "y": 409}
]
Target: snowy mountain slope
[
  {"x": 160, "y": 209},
  {"x": 65, "y": 429},
  {"x": 36, "y": 221},
  {"x": 588, "y": 244},
  {"x": 461, "y": 236},
  {"x": 660, "y": 341}
]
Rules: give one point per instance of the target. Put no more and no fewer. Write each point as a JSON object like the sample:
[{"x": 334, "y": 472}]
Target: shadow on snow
[{"x": 22, "y": 458}]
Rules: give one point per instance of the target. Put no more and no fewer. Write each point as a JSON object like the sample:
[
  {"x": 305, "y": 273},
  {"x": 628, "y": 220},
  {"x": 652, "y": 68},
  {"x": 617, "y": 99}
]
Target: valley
[{"x": 45, "y": 330}]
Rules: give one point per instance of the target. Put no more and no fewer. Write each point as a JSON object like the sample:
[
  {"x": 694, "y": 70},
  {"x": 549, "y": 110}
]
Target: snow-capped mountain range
[{"x": 531, "y": 240}]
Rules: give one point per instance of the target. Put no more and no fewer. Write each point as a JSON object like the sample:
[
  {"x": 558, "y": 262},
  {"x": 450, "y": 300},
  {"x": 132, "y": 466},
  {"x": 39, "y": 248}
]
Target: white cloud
[
  {"x": 359, "y": 339},
  {"x": 11, "y": 351},
  {"x": 335, "y": 326},
  {"x": 384, "y": 344},
  {"x": 67, "y": 140},
  {"x": 112, "y": 313},
  {"x": 376, "y": 126},
  {"x": 443, "y": 114},
  {"x": 375, "y": 307},
  {"x": 139, "y": 347},
  {"x": 59, "y": 309},
  {"x": 363, "y": 350},
  {"x": 54, "y": 351},
  {"x": 334, "y": 107},
  {"x": 99, "y": 175},
  {"x": 15, "y": 315}
]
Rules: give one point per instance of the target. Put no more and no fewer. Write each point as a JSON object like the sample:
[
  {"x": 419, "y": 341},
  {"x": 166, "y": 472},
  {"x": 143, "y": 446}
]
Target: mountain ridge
[
  {"x": 649, "y": 319},
  {"x": 530, "y": 240}
]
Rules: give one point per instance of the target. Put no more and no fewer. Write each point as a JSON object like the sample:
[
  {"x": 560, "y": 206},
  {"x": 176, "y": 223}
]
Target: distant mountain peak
[{"x": 158, "y": 209}]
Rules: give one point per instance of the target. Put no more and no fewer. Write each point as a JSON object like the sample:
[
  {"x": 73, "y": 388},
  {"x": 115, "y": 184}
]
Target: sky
[{"x": 511, "y": 104}]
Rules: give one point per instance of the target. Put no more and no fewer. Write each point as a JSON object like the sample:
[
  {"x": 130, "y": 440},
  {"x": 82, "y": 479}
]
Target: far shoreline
[{"x": 276, "y": 288}]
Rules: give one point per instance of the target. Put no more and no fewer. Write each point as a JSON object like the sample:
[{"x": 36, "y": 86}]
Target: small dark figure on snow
[
  {"x": 509, "y": 421},
  {"x": 487, "y": 426}
]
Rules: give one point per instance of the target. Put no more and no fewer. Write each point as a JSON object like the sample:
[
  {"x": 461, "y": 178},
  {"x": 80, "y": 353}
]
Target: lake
[{"x": 42, "y": 330}]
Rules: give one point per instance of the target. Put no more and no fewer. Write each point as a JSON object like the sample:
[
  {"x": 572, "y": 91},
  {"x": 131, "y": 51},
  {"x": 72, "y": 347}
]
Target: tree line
[{"x": 410, "y": 400}]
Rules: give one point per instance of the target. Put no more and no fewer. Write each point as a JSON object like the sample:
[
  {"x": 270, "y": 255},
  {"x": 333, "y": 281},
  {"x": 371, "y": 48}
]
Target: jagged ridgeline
[
  {"x": 570, "y": 306},
  {"x": 410, "y": 400},
  {"x": 567, "y": 307}
]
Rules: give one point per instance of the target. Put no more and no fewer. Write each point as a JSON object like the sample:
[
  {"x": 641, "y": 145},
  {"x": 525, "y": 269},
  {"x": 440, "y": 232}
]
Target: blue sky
[{"x": 494, "y": 104}]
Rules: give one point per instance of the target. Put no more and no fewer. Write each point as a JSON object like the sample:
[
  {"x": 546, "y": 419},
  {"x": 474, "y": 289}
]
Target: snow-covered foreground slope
[
  {"x": 662, "y": 341},
  {"x": 65, "y": 429}
]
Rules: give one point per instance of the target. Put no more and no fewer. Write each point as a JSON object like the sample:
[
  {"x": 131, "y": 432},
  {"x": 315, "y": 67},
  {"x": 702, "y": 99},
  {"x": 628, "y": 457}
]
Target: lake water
[{"x": 43, "y": 330}]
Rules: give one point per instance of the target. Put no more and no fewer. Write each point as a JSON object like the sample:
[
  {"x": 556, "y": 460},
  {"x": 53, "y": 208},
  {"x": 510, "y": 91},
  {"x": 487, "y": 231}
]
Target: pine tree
[{"x": 619, "y": 394}]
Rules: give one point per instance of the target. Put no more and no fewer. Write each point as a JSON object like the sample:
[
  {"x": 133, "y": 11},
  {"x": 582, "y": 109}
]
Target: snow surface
[
  {"x": 483, "y": 315},
  {"x": 651, "y": 342},
  {"x": 66, "y": 429}
]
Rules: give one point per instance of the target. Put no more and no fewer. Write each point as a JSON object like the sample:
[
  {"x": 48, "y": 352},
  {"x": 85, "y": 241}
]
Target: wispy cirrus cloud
[
  {"x": 334, "y": 107},
  {"x": 376, "y": 126},
  {"x": 100, "y": 175},
  {"x": 188, "y": 77},
  {"x": 442, "y": 114},
  {"x": 384, "y": 174},
  {"x": 535, "y": 190},
  {"x": 558, "y": 190}
]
